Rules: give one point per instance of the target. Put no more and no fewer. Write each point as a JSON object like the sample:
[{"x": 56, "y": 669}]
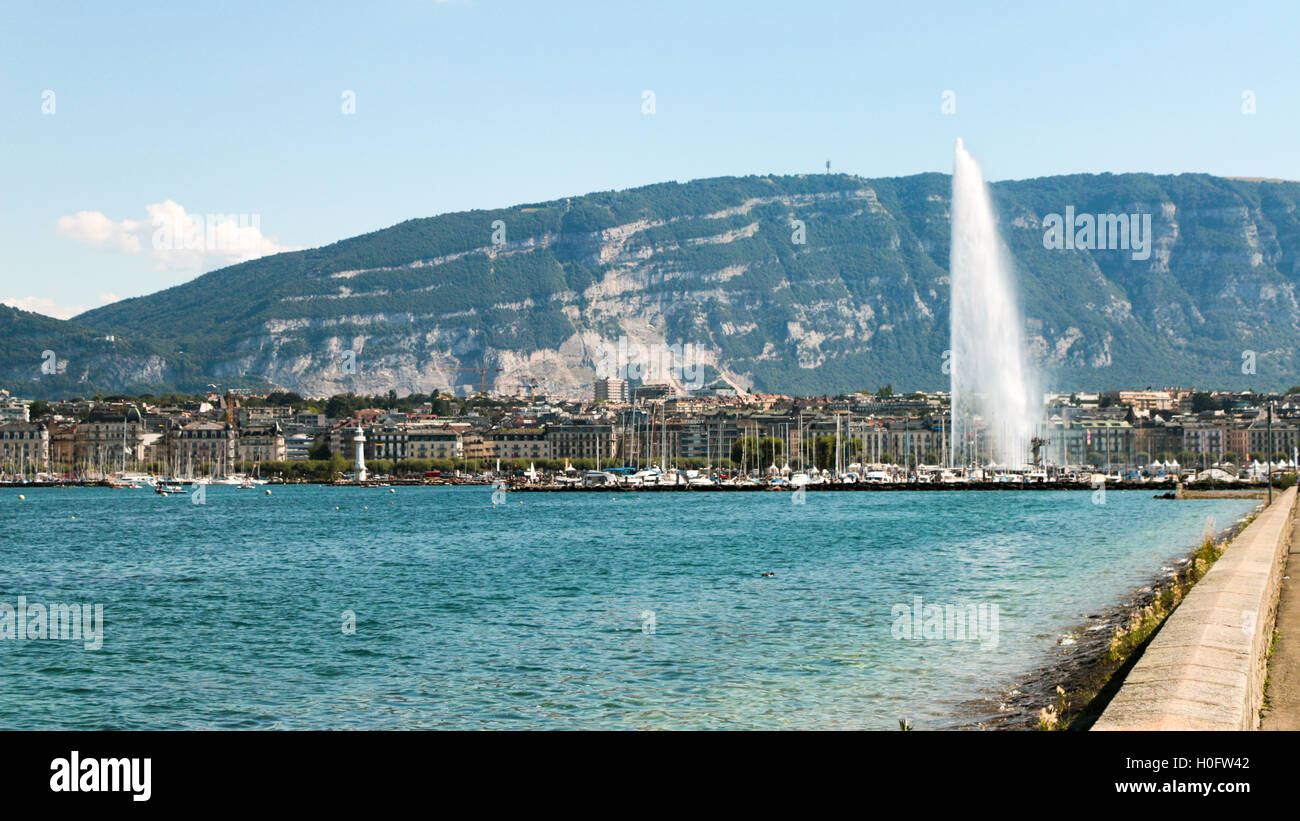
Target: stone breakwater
[
  {"x": 1205, "y": 667},
  {"x": 1250, "y": 491}
]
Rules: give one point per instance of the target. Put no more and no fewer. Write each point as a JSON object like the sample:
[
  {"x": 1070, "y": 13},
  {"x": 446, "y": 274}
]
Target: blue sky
[{"x": 236, "y": 108}]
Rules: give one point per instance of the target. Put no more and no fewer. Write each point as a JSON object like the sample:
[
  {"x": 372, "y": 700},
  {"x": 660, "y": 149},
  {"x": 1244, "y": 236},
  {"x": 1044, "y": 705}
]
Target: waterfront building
[
  {"x": 1074, "y": 437},
  {"x": 13, "y": 410},
  {"x": 202, "y": 447},
  {"x": 1161, "y": 440},
  {"x": 1133, "y": 429},
  {"x": 867, "y": 404},
  {"x": 312, "y": 421},
  {"x": 1239, "y": 441},
  {"x": 1103, "y": 443},
  {"x": 157, "y": 449},
  {"x": 1143, "y": 400},
  {"x": 23, "y": 446},
  {"x": 263, "y": 416},
  {"x": 339, "y": 437},
  {"x": 434, "y": 443},
  {"x": 388, "y": 442},
  {"x": 581, "y": 441},
  {"x": 63, "y": 444},
  {"x": 1257, "y": 438},
  {"x": 702, "y": 440},
  {"x": 297, "y": 447},
  {"x": 1206, "y": 439},
  {"x": 913, "y": 441},
  {"x": 411, "y": 438},
  {"x": 650, "y": 393},
  {"x": 520, "y": 443},
  {"x": 109, "y": 441},
  {"x": 612, "y": 390},
  {"x": 475, "y": 446},
  {"x": 693, "y": 439},
  {"x": 689, "y": 405},
  {"x": 264, "y": 443}
]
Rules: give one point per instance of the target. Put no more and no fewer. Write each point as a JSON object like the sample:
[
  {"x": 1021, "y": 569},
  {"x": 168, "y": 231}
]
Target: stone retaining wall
[{"x": 1205, "y": 668}]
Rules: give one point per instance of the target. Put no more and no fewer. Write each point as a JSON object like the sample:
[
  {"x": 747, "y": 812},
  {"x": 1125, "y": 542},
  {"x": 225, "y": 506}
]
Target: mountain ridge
[{"x": 540, "y": 289}]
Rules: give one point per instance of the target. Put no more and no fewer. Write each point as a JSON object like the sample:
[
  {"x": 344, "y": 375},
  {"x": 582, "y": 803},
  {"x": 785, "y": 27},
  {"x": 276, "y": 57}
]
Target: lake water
[{"x": 634, "y": 610}]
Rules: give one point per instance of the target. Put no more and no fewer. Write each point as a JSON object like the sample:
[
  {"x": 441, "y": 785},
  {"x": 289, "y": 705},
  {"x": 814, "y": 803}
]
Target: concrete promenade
[
  {"x": 1205, "y": 667},
  {"x": 1283, "y": 712}
]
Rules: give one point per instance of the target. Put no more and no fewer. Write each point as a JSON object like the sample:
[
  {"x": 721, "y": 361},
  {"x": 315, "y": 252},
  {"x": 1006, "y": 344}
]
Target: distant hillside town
[{"x": 285, "y": 437}]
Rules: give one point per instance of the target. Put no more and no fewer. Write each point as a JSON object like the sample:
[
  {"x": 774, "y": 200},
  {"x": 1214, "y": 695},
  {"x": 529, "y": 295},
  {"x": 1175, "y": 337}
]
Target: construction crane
[{"x": 482, "y": 371}]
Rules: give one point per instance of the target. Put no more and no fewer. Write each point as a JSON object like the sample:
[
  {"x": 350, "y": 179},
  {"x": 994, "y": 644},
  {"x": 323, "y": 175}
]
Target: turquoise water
[{"x": 533, "y": 613}]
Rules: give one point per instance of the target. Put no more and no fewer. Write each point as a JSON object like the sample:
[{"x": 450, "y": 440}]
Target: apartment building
[
  {"x": 260, "y": 443},
  {"x": 580, "y": 441},
  {"x": 521, "y": 443},
  {"x": 23, "y": 445},
  {"x": 611, "y": 390},
  {"x": 200, "y": 444}
]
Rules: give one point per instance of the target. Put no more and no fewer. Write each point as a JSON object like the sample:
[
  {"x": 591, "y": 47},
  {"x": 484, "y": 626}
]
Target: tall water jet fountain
[{"x": 994, "y": 407}]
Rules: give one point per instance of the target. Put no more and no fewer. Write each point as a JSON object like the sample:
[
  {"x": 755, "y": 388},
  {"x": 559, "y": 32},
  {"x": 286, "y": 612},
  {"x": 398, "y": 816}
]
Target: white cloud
[
  {"x": 177, "y": 241},
  {"x": 93, "y": 228},
  {"x": 44, "y": 305}
]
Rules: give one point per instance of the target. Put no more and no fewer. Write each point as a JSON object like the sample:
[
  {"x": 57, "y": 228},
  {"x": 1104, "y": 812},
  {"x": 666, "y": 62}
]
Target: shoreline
[
  {"x": 1081, "y": 667},
  {"x": 900, "y": 487},
  {"x": 1215, "y": 488}
]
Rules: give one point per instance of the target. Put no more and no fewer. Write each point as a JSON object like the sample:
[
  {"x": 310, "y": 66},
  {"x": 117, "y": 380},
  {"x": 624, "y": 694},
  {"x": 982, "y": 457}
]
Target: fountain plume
[{"x": 994, "y": 405}]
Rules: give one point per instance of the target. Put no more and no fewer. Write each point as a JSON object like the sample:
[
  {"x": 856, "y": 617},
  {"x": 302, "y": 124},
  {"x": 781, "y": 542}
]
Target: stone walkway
[
  {"x": 1283, "y": 712},
  {"x": 1204, "y": 669}
]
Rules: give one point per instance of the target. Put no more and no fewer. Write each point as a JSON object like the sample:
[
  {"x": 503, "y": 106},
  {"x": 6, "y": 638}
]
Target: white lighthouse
[{"x": 359, "y": 468}]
